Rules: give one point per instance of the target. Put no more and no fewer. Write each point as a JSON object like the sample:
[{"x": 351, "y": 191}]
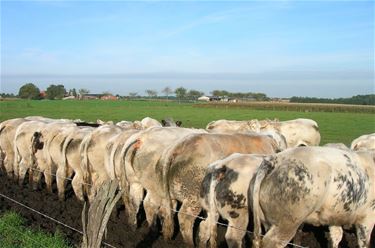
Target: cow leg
[
  {"x": 16, "y": 168},
  {"x": 278, "y": 237},
  {"x": 236, "y": 230},
  {"x": 60, "y": 181},
  {"x": 186, "y": 217},
  {"x": 37, "y": 175},
  {"x": 7, "y": 163},
  {"x": 208, "y": 230},
  {"x": 363, "y": 231},
  {"x": 77, "y": 185},
  {"x": 22, "y": 172},
  {"x": 151, "y": 205},
  {"x": 335, "y": 235},
  {"x": 48, "y": 178},
  {"x": 136, "y": 195},
  {"x": 234, "y": 237},
  {"x": 165, "y": 212}
]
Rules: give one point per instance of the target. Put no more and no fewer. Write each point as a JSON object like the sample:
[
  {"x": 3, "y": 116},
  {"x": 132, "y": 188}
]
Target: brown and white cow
[
  {"x": 28, "y": 145},
  {"x": 142, "y": 153},
  {"x": 364, "y": 142},
  {"x": 53, "y": 135},
  {"x": 184, "y": 168},
  {"x": 298, "y": 132},
  {"x": 224, "y": 193},
  {"x": 314, "y": 185}
]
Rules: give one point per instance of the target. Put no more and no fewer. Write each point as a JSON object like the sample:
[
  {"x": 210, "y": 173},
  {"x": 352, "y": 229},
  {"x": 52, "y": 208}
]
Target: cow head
[{"x": 170, "y": 123}]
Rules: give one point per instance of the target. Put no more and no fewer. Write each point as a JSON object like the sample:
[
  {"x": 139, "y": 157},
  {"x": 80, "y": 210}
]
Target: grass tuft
[{"x": 13, "y": 233}]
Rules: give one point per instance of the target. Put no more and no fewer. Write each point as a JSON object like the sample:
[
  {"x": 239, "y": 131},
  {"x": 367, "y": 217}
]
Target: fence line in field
[
  {"x": 48, "y": 217},
  {"x": 173, "y": 210}
]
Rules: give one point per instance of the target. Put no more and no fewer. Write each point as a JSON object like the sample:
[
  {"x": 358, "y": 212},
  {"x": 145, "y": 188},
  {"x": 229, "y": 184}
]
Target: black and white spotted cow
[
  {"x": 314, "y": 185},
  {"x": 364, "y": 142},
  {"x": 224, "y": 193}
]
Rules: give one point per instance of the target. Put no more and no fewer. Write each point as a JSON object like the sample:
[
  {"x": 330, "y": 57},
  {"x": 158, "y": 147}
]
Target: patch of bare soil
[{"x": 119, "y": 234}]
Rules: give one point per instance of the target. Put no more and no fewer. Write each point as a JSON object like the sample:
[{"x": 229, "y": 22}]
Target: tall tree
[
  {"x": 194, "y": 94},
  {"x": 167, "y": 91},
  {"x": 74, "y": 92},
  {"x": 180, "y": 93},
  {"x": 55, "y": 91},
  {"x": 151, "y": 93},
  {"x": 133, "y": 94},
  {"x": 29, "y": 91},
  {"x": 82, "y": 92}
]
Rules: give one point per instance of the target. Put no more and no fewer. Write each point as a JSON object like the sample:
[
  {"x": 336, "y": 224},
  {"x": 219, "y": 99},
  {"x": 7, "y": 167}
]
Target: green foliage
[
  {"x": 83, "y": 91},
  {"x": 73, "y": 92},
  {"x": 167, "y": 91},
  {"x": 194, "y": 94},
  {"x": 152, "y": 93},
  {"x": 240, "y": 95},
  {"x": 13, "y": 233},
  {"x": 180, "y": 92},
  {"x": 29, "y": 91},
  {"x": 55, "y": 91},
  {"x": 358, "y": 100},
  {"x": 6, "y": 95},
  {"x": 335, "y": 127}
]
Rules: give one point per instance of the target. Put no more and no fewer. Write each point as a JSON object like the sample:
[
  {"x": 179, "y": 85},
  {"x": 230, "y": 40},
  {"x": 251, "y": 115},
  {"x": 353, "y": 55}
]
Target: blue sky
[{"x": 281, "y": 48}]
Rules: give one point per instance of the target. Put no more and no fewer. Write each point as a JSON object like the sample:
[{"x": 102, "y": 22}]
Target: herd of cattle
[{"x": 272, "y": 171}]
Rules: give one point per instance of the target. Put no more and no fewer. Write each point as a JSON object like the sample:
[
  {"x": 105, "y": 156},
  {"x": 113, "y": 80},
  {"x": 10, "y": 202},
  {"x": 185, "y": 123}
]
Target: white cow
[
  {"x": 7, "y": 133},
  {"x": 72, "y": 162},
  {"x": 298, "y": 132}
]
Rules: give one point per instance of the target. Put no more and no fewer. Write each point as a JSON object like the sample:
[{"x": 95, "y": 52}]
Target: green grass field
[
  {"x": 334, "y": 127},
  {"x": 13, "y": 233}
]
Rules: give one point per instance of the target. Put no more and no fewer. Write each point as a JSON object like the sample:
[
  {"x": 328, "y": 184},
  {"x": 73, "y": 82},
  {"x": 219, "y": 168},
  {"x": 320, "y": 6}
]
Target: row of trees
[
  {"x": 241, "y": 95},
  {"x": 180, "y": 93},
  {"x": 357, "y": 100},
  {"x": 31, "y": 91}
]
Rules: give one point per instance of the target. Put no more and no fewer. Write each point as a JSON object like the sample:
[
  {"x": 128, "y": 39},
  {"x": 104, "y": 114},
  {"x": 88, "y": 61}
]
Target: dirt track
[{"x": 119, "y": 234}]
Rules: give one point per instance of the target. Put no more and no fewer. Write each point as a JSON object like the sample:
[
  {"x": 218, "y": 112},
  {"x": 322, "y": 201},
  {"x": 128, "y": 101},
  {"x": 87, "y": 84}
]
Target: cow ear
[
  {"x": 178, "y": 123},
  {"x": 163, "y": 123}
]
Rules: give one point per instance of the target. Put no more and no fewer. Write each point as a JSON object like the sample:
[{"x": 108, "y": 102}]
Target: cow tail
[
  {"x": 17, "y": 157},
  {"x": 109, "y": 159},
  {"x": 83, "y": 151},
  {"x": 2, "y": 127},
  {"x": 262, "y": 171},
  {"x": 213, "y": 213},
  {"x": 127, "y": 154},
  {"x": 64, "y": 148}
]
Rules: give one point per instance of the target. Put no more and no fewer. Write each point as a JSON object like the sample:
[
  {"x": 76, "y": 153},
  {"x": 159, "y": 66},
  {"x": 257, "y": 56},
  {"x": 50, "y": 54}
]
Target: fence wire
[{"x": 173, "y": 210}]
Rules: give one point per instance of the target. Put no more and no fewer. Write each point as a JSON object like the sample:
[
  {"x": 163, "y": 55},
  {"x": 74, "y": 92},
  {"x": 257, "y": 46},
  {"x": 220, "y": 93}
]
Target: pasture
[{"x": 334, "y": 126}]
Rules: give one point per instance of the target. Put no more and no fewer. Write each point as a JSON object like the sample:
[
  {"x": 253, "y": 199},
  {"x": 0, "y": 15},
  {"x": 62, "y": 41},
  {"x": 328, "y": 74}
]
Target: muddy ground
[{"x": 119, "y": 234}]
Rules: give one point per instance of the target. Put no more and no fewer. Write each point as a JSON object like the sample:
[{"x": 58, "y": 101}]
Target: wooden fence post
[{"x": 94, "y": 221}]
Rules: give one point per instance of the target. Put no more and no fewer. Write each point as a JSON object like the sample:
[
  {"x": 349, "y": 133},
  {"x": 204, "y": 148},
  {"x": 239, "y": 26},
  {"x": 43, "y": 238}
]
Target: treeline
[
  {"x": 357, "y": 100},
  {"x": 241, "y": 95}
]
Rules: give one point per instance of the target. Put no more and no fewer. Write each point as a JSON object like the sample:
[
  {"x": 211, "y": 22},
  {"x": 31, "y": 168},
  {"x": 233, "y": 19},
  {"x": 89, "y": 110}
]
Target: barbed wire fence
[{"x": 105, "y": 243}]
